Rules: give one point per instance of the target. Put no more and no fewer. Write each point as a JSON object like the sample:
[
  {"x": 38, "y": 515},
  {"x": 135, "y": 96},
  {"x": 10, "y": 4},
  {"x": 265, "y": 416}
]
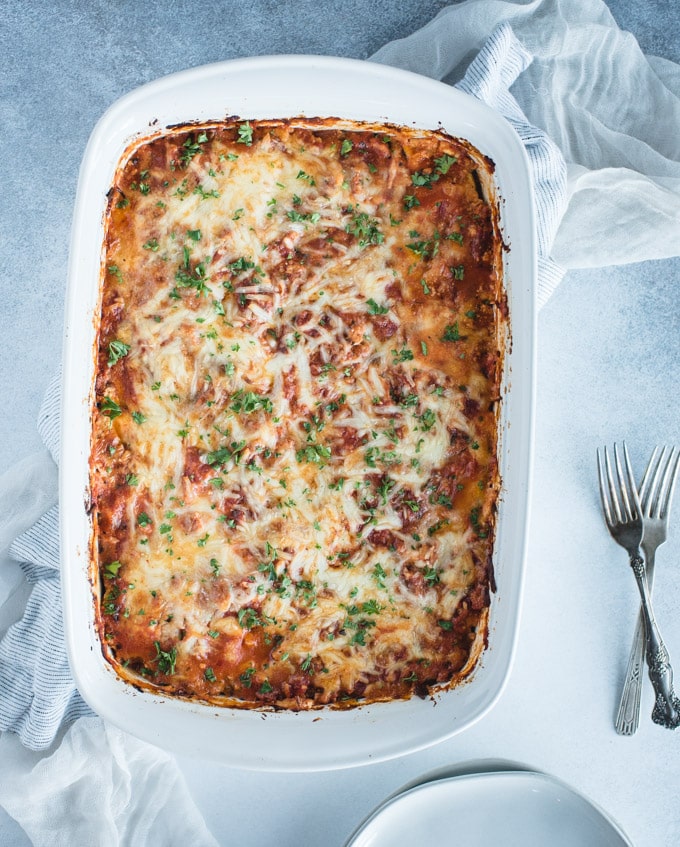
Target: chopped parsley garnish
[
  {"x": 299, "y": 217},
  {"x": 112, "y": 569},
  {"x": 426, "y": 249},
  {"x": 443, "y": 163},
  {"x": 138, "y": 417},
  {"x": 474, "y": 522},
  {"x": 458, "y": 271},
  {"x": 241, "y": 265},
  {"x": 194, "y": 234},
  {"x": 247, "y": 677},
  {"x": 434, "y": 529},
  {"x": 116, "y": 271},
  {"x": 314, "y": 454},
  {"x": 451, "y": 332},
  {"x": 204, "y": 195},
  {"x": 385, "y": 488},
  {"x": 186, "y": 277},
  {"x": 306, "y": 177},
  {"x": 408, "y": 400},
  {"x": 110, "y": 408},
  {"x": 431, "y": 575},
  {"x": 421, "y": 179},
  {"x": 403, "y": 355},
  {"x": 210, "y": 675},
  {"x": 117, "y": 349},
  {"x": 345, "y": 147},
  {"x": 248, "y": 402},
  {"x": 375, "y": 308},
  {"x": 224, "y": 454},
  {"x": 359, "y": 636},
  {"x": 365, "y": 229},
  {"x": 248, "y": 618},
  {"x": 151, "y": 244},
  {"x": 192, "y": 147},
  {"x": 411, "y": 201},
  {"x": 166, "y": 659},
  {"x": 245, "y": 134},
  {"x": 427, "y": 419},
  {"x": 143, "y": 519}
]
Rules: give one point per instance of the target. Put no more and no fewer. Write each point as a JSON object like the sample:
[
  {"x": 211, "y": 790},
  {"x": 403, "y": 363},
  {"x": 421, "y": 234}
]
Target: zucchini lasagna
[{"x": 293, "y": 474}]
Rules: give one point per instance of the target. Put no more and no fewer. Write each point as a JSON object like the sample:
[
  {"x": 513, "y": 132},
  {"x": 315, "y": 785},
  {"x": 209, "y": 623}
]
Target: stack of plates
[{"x": 515, "y": 808}]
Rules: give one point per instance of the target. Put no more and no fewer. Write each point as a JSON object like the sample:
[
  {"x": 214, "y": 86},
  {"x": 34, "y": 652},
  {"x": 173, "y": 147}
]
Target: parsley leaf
[
  {"x": 117, "y": 349},
  {"x": 245, "y": 134},
  {"x": 224, "y": 454},
  {"x": 248, "y": 402},
  {"x": 345, "y": 147},
  {"x": 451, "y": 332},
  {"x": 365, "y": 229},
  {"x": 443, "y": 163},
  {"x": 111, "y": 408},
  {"x": 166, "y": 659},
  {"x": 192, "y": 147},
  {"x": 375, "y": 308}
]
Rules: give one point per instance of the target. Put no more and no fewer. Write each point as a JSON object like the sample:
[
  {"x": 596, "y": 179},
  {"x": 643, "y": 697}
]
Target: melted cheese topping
[{"x": 293, "y": 468}]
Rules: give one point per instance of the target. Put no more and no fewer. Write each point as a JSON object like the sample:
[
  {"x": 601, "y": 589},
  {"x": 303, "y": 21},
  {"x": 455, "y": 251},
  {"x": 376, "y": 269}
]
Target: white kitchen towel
[{"x": 99, "y": 787}]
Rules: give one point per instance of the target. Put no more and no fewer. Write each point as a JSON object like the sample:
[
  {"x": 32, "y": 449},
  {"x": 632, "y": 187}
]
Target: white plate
[
  {"x": 508, "y": 809},
  {"x": 279, "y": 87}
]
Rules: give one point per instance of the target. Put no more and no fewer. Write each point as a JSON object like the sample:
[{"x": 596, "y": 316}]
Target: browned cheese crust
[{"x": 294, "y": 430}]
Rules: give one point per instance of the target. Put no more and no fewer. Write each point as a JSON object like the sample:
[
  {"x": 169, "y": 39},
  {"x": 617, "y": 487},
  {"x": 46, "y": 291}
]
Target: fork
[
  {"x": 659, "y": 480},
  {"x": 623, "y": 514}
]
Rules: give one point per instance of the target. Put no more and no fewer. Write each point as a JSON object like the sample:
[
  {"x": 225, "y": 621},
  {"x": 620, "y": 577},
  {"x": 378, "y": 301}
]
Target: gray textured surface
[{"x": 61, "y": 65}]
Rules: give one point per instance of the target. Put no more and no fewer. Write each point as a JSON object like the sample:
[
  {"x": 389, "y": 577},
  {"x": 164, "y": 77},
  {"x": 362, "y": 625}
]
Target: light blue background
[{"x": 608, "y": 368}]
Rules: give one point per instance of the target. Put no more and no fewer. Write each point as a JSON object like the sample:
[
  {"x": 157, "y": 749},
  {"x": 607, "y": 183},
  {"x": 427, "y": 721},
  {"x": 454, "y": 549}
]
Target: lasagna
[{"x": 293, "y": 472}]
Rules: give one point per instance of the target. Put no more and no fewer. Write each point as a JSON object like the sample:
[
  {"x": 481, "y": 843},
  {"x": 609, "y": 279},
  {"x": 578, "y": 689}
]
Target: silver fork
[
  {"x": 623, "y": 514},
  {"x": 658, "y": 480}
]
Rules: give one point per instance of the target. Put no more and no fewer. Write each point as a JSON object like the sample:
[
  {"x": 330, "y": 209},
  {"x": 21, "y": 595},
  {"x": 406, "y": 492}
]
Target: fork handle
[
  {"x": 628, "y": 715},
  {"x": 667, "y": 706}
]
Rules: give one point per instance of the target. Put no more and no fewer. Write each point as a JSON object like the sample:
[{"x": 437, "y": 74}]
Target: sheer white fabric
[{"x": 613, "y": 112}]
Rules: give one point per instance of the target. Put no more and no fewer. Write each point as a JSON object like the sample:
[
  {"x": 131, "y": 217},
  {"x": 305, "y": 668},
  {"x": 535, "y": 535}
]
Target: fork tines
[
  {"x": 615, "y": 512},
  {"x": 666, "y": 460}
]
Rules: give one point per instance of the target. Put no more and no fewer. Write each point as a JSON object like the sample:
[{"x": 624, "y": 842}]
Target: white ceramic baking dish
[{"x": 276, "y": 87}]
